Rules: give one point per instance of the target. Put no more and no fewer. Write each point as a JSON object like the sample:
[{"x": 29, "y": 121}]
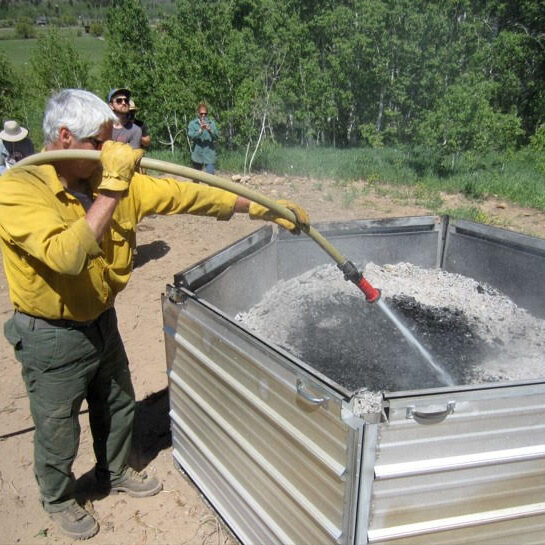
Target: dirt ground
[{"x": 166, "y": 245}]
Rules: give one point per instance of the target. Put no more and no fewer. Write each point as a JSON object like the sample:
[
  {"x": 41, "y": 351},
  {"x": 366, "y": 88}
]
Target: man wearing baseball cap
[
  {"x": 124, "y": 129},
  {"x": 14, "y": 144}
]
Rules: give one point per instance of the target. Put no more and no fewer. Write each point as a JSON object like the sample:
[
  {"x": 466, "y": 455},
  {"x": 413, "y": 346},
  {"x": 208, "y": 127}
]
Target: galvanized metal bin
[{"x": 286, "y": 455}]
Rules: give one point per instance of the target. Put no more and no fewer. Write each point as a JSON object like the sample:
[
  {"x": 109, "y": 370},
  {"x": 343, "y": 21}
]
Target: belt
[{"x": 35, "y": 322}]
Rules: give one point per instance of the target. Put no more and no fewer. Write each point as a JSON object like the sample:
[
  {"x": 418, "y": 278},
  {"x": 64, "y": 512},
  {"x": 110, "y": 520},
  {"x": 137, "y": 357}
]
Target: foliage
[
  {"x": 56, "y": 64},
  {"x": 537, "y": 144},
  {"x": 370, "y": 136},
  {"x": 10, "y": 85},
  {"x": 463, "y": 120},
  {"x": 407, "y": 88},
  {"x": 96, "y": 29},
  {"x": 24, "y": 28},
  {"x": 513, "y": 176},
  {"x": 129, "y": 50},
  {"x": 471, "y": 213},
  {"x": 537, "y": 141}
]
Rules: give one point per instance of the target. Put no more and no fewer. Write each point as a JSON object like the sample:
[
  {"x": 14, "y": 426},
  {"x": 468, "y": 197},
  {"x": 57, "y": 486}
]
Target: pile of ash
[{"x": 471, "y": 330}]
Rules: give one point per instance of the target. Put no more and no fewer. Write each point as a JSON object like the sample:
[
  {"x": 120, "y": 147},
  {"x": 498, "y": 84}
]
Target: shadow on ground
[
  {"x": 151, "y": 435},
  {"x": 148, "y": 252},
  {"x": 151, "y": 432}
]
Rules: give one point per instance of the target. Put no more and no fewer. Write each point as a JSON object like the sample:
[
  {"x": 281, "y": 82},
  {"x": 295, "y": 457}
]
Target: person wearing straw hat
[
  {"x": 66, "y": 229},
  {"x": 14, "y": 144}
]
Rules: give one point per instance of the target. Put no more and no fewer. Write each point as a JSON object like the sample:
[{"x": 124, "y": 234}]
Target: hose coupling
[{"x": 352, "y": 274}]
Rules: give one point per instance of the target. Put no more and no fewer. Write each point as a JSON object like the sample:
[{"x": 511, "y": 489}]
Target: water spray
[{"x": 349, "y": 270}]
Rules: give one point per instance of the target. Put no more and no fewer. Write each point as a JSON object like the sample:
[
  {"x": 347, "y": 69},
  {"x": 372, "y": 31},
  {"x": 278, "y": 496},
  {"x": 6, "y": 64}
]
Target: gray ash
[{"x": 471, "y": 329}]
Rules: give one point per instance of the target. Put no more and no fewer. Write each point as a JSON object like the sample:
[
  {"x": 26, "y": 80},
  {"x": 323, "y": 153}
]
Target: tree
[
  {"x": 56, "y": 64},
  {"x": 10, "y": 87},
  {"x": 24, "y": 28},
  {"x": 129, "y": 49},
  {"x": 172, "y": 98},
  {"x": 464, "y": 120}
]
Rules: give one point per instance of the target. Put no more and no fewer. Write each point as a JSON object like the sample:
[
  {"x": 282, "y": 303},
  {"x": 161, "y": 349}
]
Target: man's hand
[
  {"x": 119, "y": 162},
  {"x": 257, "y": 211}
]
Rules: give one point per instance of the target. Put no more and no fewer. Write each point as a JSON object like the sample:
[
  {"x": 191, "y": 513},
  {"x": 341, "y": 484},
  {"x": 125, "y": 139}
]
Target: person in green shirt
[
  {"x": 203, "y": 134},
  {"x": 66, "y": 232}
]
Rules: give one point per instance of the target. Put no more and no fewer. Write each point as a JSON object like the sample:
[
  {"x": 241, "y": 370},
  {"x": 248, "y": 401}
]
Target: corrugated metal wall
[
  {"x": 278, "y": 469},
  {"x": 485, "y": 463}
]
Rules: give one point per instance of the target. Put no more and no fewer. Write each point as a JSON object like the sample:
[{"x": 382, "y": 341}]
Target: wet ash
[
  {"x": 471, "y": 330},
  {"x": 356, "y": 345}
]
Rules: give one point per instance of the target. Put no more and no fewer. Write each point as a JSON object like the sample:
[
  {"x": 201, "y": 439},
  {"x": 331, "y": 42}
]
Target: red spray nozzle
[
  {"x": 351, "y": 273},
  {"x": 371, "y": 294}
]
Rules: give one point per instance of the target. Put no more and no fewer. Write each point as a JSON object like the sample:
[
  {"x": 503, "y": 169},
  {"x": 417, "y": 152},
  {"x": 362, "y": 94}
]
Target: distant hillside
[{"x": 11, "y": 10}]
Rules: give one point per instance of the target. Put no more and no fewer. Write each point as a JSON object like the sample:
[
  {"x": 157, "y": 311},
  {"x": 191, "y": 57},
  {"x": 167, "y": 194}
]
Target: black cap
[{"x": 114, "y": 92}]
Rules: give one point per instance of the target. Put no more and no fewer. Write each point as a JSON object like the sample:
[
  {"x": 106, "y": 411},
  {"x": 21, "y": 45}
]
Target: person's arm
[
  {"x": 145, "y": 141},
  {"x": 242, "y": 205},
  {"x": 30, "y": 218},
  {"x": 99, "y": 216},
  {"x": 214, "y": 130},
  {"x": 119, "y": 162},
  {"x": 168, "y": 196},
  {"x": 3, "y": 155},
  {"x": 194, "y": 129}
]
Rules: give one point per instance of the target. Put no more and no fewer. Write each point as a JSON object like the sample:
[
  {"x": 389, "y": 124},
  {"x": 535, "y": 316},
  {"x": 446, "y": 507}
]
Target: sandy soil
[{"x": 167, "y": 245}]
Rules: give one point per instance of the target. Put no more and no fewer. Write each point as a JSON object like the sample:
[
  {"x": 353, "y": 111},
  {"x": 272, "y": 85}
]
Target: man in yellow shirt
[{"x": 65, "y": 233}]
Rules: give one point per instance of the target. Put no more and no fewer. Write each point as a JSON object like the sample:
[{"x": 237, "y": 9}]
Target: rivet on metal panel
[
  {"x": 309, "y": 397},
  {"x": 430, "y": 416}
]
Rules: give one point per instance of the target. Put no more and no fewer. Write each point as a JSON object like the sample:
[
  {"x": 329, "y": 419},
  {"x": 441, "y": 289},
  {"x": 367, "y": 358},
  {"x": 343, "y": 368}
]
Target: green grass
[
  {"x": 515, "y": 176},
  {"x": 471, "y": 213},
  {"x": 19, "y": 52}
]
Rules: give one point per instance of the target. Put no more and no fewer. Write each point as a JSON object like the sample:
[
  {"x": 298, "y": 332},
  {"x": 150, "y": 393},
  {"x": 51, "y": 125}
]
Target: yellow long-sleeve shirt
[{"x": 54, "y": 266}]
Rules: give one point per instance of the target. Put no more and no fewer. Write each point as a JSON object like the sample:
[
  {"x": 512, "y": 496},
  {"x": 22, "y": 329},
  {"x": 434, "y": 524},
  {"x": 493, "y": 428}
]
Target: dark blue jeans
[
  {"x": 61, "y": 367},
  {"x": 207, "y": 167}
]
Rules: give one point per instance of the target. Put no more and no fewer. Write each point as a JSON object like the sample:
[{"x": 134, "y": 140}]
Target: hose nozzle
[{"x": 351, "y": 273}]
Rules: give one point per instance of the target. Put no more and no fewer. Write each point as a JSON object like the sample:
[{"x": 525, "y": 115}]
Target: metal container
[{"x": 286, "y": 455}]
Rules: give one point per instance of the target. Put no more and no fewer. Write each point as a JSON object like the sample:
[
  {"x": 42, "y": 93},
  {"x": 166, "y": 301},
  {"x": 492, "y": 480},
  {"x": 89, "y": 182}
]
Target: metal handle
[
  {"x": 430, "y": 417},
  {"x": 309, "y": 397}
]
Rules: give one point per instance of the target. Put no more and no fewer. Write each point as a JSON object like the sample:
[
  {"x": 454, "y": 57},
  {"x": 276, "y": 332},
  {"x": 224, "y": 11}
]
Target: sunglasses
[
  {"x": 121, "y": 100},
  {"x": 203, "y": 113},
  {"x": 95, "y": 142}
]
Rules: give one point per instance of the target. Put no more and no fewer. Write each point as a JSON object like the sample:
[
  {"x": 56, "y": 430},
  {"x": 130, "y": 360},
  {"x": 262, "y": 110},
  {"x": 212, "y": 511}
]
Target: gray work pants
[{"x": 62, "y": 366}]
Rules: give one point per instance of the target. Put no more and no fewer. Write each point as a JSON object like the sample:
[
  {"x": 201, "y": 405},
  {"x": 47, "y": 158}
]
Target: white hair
[{"x": 81, "y": 112}]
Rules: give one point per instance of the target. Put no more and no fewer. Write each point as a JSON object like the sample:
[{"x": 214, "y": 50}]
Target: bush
[
  {"x": 97, "y": 29},
  {"x": 68, "y": 20},
  {"x": 464, "y": 120},
  {"x": 537, "y": 140},
  {"x": 25, "y": 29},
  {"x": 370, "y": 137},
  {"x": 537, "y": 144}
]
